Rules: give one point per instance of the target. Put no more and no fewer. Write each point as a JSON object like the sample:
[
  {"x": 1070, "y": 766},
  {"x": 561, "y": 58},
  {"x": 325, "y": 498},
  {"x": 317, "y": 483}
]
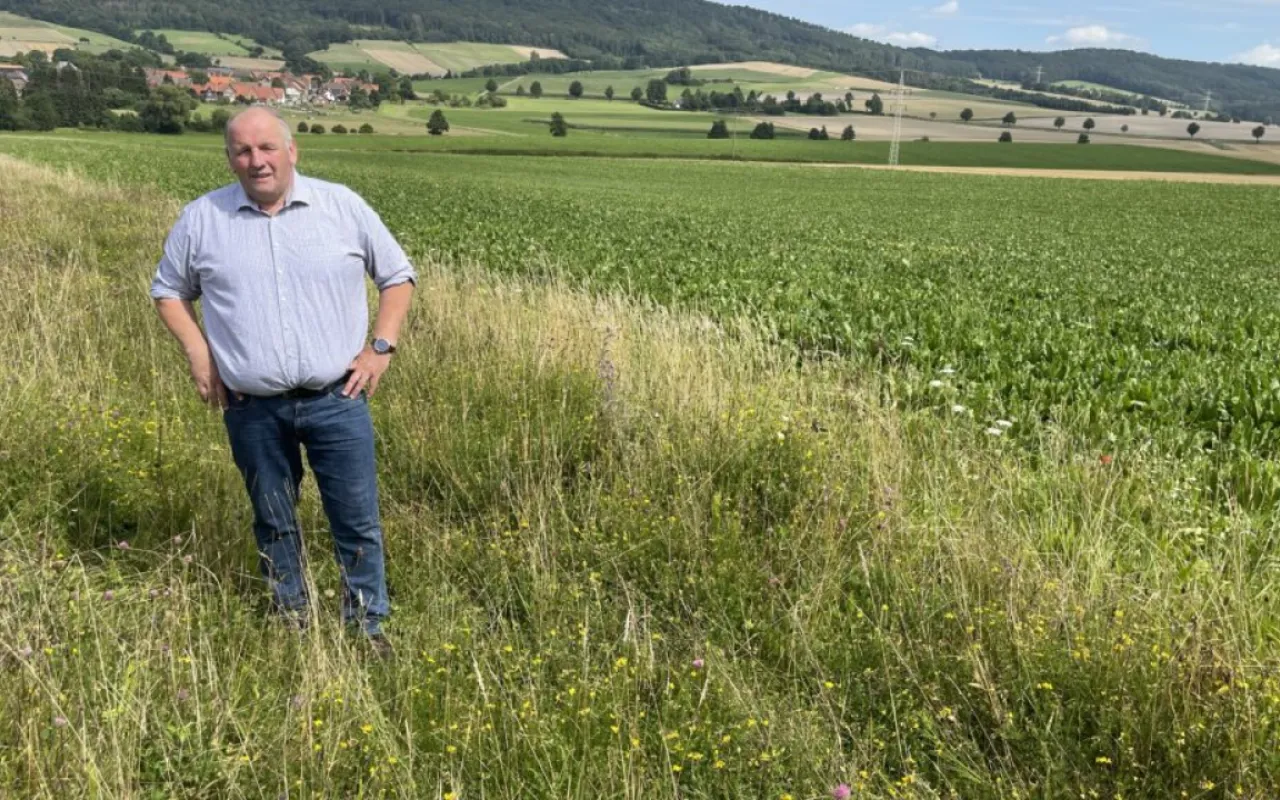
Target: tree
[
  {"x": 848, "y": 135},
  {"x": 1006, "y": 137},
  {"x": 875, "y": 105},
  {"x": 167, "y": 110},
  {"x": 316, "y": 127},
  {"x": 558, "y": 126},
  {"x": 1010, "y": 119},
  {"x": 406, "y": 91},
  {"x": 575, "y": 90},
  {"x": 302, "y": 127},
  {"x": 848, "y": 99},
  {"x": 521, "y": 91},
  {"x": 966, "y": 115},
  {"x": 1258, "y": 133},
  {"x": 12, "y": 116},
  {"x": 366, "y": 128},
  {"x": 1124, "y": 128},
  {"x": 719, "y": 130},
  {"x": 1082, "y": 138},
  {"x": 933, "y": 115},
  {"x": 636, "y": 94},
  {"x": 219, "y": 118},
  {"x": 1089, "y": 124},
  {"x": 339, "y": 128},
  {"x": 1193, "y": 129},
  {"x": 437, "y": 124},
  {"x": 608, "y": 93},
  {"x": 1059, "y": 122},
  {"x": 764, "y": 130},
  {"x": 491, "y": 85},
  {"x": 656, "y": 92},
  {"x": 535, "y": 89},
  {"x": 814, "y": 134}
]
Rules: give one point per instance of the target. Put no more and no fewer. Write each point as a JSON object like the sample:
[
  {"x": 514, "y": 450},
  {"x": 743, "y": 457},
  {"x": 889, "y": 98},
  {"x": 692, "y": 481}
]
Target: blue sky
[{"x": 1245, "y": 31}]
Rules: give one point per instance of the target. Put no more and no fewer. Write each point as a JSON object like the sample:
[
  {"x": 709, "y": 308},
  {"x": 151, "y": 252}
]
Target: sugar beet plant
[{"x": 1131, "y": 315}]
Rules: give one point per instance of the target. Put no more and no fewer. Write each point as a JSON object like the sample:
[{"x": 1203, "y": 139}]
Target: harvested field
[
  {"x": 526, "y": 53},
  {"x": 405, "y": 62},
  {"x": 767, "y": 67},
  {"x": 244, "y": 62}
]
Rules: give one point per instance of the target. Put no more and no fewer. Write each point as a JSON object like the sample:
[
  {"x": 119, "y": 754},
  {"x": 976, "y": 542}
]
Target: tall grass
[{"x": 633, "y": 554}]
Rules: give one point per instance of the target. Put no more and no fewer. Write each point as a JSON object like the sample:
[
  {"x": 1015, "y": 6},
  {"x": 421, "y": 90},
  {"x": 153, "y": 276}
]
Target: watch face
[{"x": 381, "y": 346}]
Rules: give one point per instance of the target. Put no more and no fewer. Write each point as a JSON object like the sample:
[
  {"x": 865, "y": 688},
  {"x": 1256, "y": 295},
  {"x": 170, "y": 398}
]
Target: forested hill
[
  {"x": 649, "y": 32},
  {"x": 634, "y": 33},
  {"x": 1238, "y": 89}
]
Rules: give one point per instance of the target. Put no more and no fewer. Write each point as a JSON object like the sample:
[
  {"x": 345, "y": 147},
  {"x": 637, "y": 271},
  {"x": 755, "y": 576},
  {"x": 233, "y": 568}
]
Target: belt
[{"x": 303, "y": 392}]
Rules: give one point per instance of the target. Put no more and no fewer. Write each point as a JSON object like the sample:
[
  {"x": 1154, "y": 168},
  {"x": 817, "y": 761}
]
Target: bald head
[
  {"x": 259, "y": 113},
  {"x": 261, "y": 152}
]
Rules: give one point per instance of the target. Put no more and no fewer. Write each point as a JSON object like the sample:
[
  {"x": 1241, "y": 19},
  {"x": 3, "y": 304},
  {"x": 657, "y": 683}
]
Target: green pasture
[{"x": 211, "y": 44}]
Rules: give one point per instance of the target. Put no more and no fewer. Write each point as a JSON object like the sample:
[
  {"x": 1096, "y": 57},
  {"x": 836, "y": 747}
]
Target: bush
[
  {"x": 437, "y": 124},
  {"x": 848, "y": 135},
  {"x": 763, "y": 131},
  {"x": 302, "y": 127},
  {"x": 719, "y": 130},
  {"x": 1006, "y": 137},
  {"x": 558, "y": 126},
  {"x": 339, "y": 128},
  {"x": 317, "y": 128},
  {"x": 366, "y": 128},
  {"x": 1082, "y": 139}
]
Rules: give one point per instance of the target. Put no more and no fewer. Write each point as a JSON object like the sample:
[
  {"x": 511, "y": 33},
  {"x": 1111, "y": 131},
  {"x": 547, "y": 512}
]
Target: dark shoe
[{"x": 381, "y": 647}]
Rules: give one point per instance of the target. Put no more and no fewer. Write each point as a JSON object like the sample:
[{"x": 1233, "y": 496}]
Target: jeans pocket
[{"x": 237, "y": 403}]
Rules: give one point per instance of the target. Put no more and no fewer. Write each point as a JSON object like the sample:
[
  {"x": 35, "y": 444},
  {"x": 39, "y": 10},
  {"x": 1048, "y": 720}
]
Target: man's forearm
[
  {"x": 179, "y": 316},
  {"x": 393, "y": 306}
]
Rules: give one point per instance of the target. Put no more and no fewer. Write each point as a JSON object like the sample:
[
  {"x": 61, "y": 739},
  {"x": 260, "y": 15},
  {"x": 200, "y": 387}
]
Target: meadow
[{"x": 701, "y": 480}]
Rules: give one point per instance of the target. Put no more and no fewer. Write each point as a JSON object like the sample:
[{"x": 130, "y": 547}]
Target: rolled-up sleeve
[
  {"x": 385, "y": 261},
  {"x": 174, "y": 278}
]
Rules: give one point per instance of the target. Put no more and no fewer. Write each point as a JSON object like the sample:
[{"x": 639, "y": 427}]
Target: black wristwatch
[{"x": 383, "y": 348}]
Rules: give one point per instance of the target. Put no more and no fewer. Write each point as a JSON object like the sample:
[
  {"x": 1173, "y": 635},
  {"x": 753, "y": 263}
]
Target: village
[{"x": 226, "y": 85}]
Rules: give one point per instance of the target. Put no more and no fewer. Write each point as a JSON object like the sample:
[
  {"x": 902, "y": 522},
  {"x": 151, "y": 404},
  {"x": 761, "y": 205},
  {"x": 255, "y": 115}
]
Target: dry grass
[{"x": 583, "y": 494}]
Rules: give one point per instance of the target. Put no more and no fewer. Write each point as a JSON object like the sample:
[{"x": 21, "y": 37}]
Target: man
[{"x": 278, "y": 262}]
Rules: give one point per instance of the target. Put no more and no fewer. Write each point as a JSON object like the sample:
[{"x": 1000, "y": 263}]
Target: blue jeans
[{"x": 267, "y": 434}]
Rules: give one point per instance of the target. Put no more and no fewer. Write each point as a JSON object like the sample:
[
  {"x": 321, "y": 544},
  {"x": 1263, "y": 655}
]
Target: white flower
[
  {"x": 936, "y": 384},
  {"x": 995, "y": 431},
  {"x": 947, "y": 370},
  {"x": 1004, "y": 423},
  {"x": 958, "y": 409}
]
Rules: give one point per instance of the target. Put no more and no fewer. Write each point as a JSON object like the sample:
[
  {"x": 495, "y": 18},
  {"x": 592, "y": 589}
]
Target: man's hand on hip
[
  {"x": 366, "y": 371},
  {"x": 208, "y": 383}
]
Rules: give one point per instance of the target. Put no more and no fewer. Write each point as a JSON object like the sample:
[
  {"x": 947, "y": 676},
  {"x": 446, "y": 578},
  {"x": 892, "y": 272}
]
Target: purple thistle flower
[
  {"x": 841, "y": 792},
  {"x": 122, "y": 544},
  {"x": 699, "y": 663},
  {"x": 154, "y": 593},
  {"x": 25, "y": 651},
  {"x": 187, "y": 559},
  {"x": 59, "y": 722},
  {"x": 183, "y": 695},
  {"x": 177, "y": 540},
  {"x": 108, "y": 595}
]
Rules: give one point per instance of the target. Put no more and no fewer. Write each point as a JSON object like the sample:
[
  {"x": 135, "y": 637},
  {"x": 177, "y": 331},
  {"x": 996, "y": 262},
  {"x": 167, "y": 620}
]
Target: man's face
[{"x": 260, "y": 157}]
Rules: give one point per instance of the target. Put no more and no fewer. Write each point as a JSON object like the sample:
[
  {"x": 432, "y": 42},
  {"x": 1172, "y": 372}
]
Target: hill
[
  {"x": 653, "y": 33},
  {"x": 1238, "y": 90}
]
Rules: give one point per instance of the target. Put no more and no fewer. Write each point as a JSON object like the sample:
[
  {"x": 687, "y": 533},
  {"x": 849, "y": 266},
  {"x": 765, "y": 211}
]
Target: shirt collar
[{"x": 300, "y": 192}]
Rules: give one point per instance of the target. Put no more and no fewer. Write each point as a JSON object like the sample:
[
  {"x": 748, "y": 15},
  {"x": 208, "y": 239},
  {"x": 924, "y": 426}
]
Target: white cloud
[
  {"x": 866, "y": 30},
  {"x": 881, "y": 33},
  {"x": 1094, "y": 36},
  {"x": 947, "y": 8},
  {"x": 911, "y": 39},
  {"x": 1264, "y": 55}
]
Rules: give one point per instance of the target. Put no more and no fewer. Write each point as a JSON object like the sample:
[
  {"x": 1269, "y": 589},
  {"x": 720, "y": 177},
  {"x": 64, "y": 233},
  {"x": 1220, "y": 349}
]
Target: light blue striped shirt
[{"x": 283, "y": 298}]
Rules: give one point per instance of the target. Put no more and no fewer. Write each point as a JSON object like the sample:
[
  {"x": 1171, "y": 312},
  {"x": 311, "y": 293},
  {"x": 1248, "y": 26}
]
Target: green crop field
[
  {"x": 212, "y": 44},
  {"x": 713, "y": 480},
  {"x": 20, "y": 34}
]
